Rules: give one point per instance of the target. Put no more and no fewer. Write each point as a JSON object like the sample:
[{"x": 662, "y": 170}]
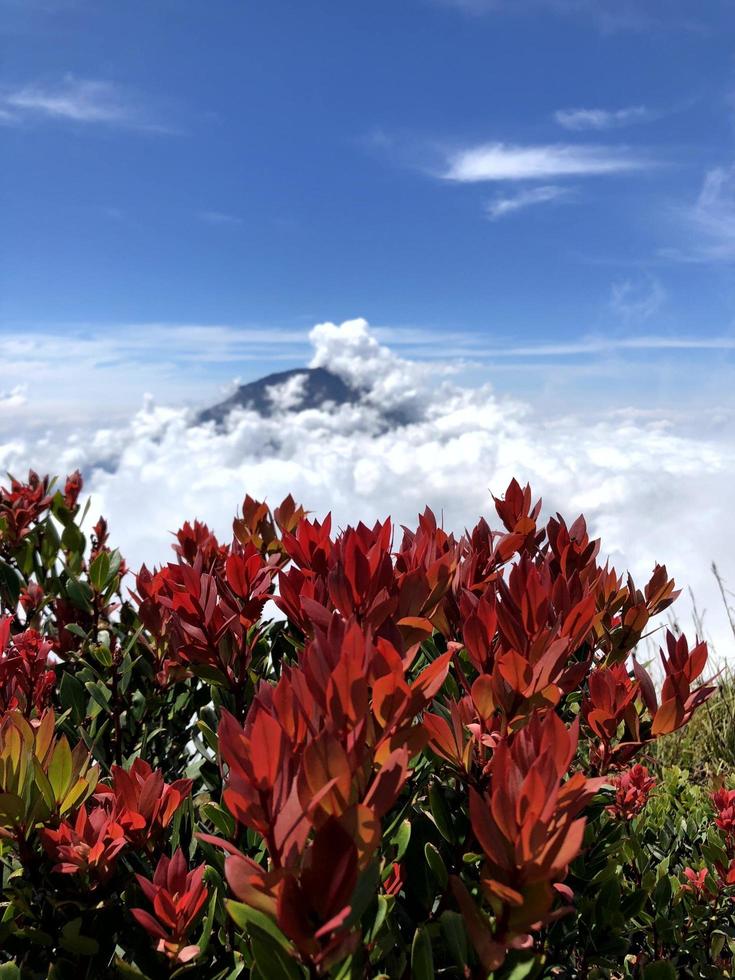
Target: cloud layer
[{"x": 651, "y": 492}]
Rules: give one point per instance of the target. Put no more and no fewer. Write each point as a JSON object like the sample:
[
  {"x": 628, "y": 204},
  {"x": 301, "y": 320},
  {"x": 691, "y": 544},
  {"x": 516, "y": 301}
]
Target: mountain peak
[{"x": 295, "y": 390}]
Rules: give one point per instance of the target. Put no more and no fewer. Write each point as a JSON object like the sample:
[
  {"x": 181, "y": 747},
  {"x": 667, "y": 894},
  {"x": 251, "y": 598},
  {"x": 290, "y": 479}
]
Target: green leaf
[
  {"x": 422, "y": 959},
  {"x": 43, "y": 784},
  {"x": 76, "y": 629},
  {"x": 9, "y": 971},
  {"x": 368, "y": 884},
  {"x": 72, "y": 539},
  {"x": 523, "y": 970},
  {"x": 115, "y": 562},
  {"x": 273, "y": 961},
  {"x": 662, "y": 970},
  {"x": 76, "y": 792},
  {"x": 452, "y": 925},
  {"x": 211, "y": 675},
  {"x": 124, "y": 969},
  {"x": 222, "y": 820},
  {"x": 209, "y": 736},
  {"x": 50, "y": 543},
  {"x": 440, "y": 812},
  {"x": 10, "y": 584},
  {"x": 60, "y": 769},
  {"x": 99, "y": 571},
  {"x": 471, "y": 857},
  {"x": 633, "y": 904},
  {"x": 102, "y": 654},
  {"x": 99, "y": 694},
  {"x": 73, "y": 697},
  {"x": 73, "y": 942},
  {"x": 126, "y": 672},
  {"x": 402, "y": 838},
  {"x": 435, "y": 862},
  {"x": 717, "y": 943},
  {"x": 206, "y": 933},
  {"x": 661, "y": 895},
  {"x": 246, "y": 917},
  {"x": 383, "y": 906},
  {"x": 12, "y": 809},
  {"x": 79, "y": 594}
]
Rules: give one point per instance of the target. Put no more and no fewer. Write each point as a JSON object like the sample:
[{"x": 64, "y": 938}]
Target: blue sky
[
  {"x": 527, "y": 172},
  {"x": 534, "y": 194}
]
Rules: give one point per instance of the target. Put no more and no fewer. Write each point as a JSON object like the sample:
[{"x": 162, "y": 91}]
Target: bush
[{"x": 421, "y": 762}]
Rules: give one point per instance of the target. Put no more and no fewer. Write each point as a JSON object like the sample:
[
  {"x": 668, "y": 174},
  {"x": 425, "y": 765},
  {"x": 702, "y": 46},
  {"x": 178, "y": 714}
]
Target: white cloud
[
  {"x": 112, "y": 366},
  {"x": 107, "y": 369},
  {"x": 712, "y": 219},
  {"x": 579, "y": 119},
  {"x": 219, "y": 218},
  {"x": 352, "y": 351},
  {"x": 545, "y": 194},
  {"x": 77, "y": 100},
  {"x": 637, "y": 300},
  {"x": 288, "y": 395},
  {"x": 13, "y": 399},
  {"x": 597, "y": 344},
  {"x": 504, "y": 161},
  {"x": 649, "y": 489},
  {"x": 607, "y": 15}
]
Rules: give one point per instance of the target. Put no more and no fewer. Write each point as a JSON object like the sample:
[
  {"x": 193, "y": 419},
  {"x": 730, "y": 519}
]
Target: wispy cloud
[
  {"x": 75, "y": 100},
  {"x": 608, "y": 345},
  {"x": 709, "y": 222},
  {"x": 219, "y": 218},
  {"x": 505, "y": 161},
  {"x": 508, "y": 204},
  {"x": 599, "y": 119},
  {"x": 714, "y": 213},
  {"x": 607, "y": 15},
  {"x": 637, "y": 300},
  {"x": 14, "y": 398}
]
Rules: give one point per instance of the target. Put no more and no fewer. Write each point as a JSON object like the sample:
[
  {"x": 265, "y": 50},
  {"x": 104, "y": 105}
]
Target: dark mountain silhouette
[{"x": 319, "y": 387}]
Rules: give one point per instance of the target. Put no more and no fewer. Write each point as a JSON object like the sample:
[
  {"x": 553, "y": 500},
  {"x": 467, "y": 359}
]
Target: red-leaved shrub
[{"x": 423, "y": 766}]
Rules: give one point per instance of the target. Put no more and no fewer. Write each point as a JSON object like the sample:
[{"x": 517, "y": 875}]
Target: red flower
[
  {"x": 611, "y": 701},
  {"x": 196, "y": 539},
  {"x": 632, "y": 789},
  {"x": 26, "y": 678},
  {"x": 680, "y": 698},
  {"x": 72, "y": 489},
  {"x": 31, "y": 598},
  {"x": 529, "y": 828},
  {"x": 177, "y": 896},
  {"x": 142, "y": 803},
  {"x": 310, "y": 900},
  {"x": 611, "y": 693},
  {"x": 695, "y": 882},
  {"x": 394, "y": 882},
  {"x": 89, "y": 846},
  {"x": 724, "y": 803},
  {"x": 99, "y": 538},
  {"x": 21, "y": 507}
]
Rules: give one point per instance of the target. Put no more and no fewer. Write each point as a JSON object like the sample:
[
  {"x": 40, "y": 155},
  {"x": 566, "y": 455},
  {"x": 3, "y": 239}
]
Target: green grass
[{"x": 706, "y": 746}]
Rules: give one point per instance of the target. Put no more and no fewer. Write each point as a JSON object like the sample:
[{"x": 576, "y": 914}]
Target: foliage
[
  {"x": 421, "y": 765},
  {"x": 707, "y": 745}
]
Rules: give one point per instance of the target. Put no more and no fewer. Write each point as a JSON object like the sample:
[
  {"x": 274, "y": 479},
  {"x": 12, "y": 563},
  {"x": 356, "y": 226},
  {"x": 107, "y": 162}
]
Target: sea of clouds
[{"x": 651, "y": 490}]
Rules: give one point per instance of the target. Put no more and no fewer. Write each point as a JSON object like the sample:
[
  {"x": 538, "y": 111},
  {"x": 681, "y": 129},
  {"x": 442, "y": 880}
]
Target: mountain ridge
[{"x": 319, "y": 388}]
